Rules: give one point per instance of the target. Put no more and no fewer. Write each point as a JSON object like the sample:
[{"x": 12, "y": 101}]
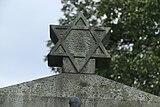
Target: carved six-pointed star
[{"x": 78, "y": 40}]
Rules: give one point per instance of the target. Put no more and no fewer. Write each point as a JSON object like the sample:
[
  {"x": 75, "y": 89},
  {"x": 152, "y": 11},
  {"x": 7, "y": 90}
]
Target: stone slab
[
  {"x": 93, "y": 90},
  {"x": 88, "y": 68}
]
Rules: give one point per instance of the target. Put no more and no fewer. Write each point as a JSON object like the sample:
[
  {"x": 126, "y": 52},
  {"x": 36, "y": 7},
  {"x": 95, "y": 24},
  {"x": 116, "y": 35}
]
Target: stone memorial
[{"x": 79, "y": 49}]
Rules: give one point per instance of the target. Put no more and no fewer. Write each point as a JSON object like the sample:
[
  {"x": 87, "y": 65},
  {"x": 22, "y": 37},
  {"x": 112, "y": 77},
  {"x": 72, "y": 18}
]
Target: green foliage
[{"x": 135, "y": 38}]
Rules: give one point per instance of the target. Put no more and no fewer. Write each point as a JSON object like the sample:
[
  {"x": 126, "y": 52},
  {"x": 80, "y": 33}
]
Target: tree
[{"x": 135, "y": 38}]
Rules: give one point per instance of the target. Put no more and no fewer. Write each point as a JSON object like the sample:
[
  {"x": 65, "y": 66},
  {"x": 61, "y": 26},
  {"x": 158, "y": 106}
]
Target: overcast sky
[{"x": 23, "y": 35}]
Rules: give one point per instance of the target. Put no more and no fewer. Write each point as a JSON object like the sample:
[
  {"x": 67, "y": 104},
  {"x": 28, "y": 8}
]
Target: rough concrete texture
[
  {"x": 93, "y": 90},
  {"x": 68, "y": 66},
  {"x": 80, "y": 45}
]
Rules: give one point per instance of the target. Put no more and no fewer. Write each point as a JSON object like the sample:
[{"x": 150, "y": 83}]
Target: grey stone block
[{"x": 93, "y": 90}]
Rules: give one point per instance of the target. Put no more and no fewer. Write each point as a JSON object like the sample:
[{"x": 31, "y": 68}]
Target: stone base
[
  {"x": 68, "y": 67},
  {"x": 93, "y": 90}
]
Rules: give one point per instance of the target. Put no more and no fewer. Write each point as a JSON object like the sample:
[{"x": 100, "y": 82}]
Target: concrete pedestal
[{"x": 93, "y": 90}]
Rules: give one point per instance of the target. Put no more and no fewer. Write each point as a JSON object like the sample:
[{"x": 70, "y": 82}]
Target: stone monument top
[{"x": 79, "y": 48}]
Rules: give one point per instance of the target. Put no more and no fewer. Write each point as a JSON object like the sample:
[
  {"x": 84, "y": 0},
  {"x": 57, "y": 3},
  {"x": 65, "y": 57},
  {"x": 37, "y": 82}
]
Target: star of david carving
[{"x": 79, "y": 40}]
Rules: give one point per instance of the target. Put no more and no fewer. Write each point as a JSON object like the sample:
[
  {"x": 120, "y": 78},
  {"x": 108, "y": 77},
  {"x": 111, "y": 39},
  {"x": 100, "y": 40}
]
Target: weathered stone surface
[
  {"x": 79, "y": 44},
  {"x": 69, "y": 68},
  {"x": 93, "y": 90}
]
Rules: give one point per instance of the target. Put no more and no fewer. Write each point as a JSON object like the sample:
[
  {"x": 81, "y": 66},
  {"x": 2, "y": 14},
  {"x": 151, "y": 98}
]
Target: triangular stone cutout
[
  {"x": 60, "y": 32},
  {"x": 80, "y": 22},
  {"x": 100, "y": 33},
  {"x": 60, "y": 50},
  {"x": 79, "y": 62},
  {"x": 99, "y": 51}
]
